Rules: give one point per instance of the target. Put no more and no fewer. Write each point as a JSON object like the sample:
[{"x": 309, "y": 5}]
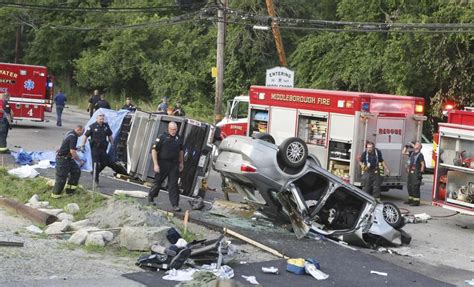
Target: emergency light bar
[{"x": 419, "y": 108}]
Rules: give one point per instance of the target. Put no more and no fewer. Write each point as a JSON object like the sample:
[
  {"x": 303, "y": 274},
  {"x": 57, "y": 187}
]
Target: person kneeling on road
[
  {"x": 99, "y": 132},
  {"x": 67, "y": 170},
  {"x": 168, "y": 162}
]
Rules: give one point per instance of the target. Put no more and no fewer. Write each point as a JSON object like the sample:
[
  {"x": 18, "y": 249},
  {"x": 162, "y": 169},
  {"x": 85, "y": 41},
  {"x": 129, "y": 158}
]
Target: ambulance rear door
[{"x": 389, "y": 140}]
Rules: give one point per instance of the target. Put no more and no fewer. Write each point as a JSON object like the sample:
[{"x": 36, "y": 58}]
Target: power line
[{"x": 99, "y": 9}]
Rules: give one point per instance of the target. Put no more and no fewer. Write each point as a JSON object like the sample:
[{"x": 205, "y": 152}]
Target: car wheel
[
  {"x": 264, "y": 137},
  {"x": 293, "y": 152},
  {"x": 392, "y": 215}
]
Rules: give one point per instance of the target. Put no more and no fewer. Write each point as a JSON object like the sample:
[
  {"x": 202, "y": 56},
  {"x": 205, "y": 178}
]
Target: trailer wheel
[
  {"x": 293, "y": 152},
  {"x": 392, "y": 215},
  {"x": 264, "y": 137}
]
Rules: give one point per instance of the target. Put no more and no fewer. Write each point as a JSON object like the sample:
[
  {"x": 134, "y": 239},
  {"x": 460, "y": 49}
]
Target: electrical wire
[{"x": 99, "y": 9}]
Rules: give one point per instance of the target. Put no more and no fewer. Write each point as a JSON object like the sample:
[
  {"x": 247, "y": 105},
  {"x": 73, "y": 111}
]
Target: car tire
[
  {"x": 293, "y": 152},
  {"x": 392, "y": 215},
  {"x": 264, "y": 137}
]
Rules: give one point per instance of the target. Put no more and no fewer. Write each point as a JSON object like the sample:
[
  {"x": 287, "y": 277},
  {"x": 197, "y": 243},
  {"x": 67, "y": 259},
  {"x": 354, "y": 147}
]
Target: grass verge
[{"x": 23, "y": 189}]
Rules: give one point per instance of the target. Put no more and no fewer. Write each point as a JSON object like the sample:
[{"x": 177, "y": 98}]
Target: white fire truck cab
[
  {"x": 336, "y": 126},
  {"x": 235, "y": 120}
]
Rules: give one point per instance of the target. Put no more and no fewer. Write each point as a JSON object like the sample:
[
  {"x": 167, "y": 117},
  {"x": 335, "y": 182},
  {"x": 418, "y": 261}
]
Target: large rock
[
  {"x": 38, "y": 204},
  {"x": 141, "y": 238},
  {"x": 54, "y": 212},
  {"x": 80, "y": 224},
  {"x": 79, "y": 237},
  {"x": 64, "y": 215},
  {"x": 95, "y": 239},
  {"x": 35, "y": 198},
  {"x": 72, "y": 208},
  {"x": 107, "y": 235},
  {"x": 34, "y": 229},
  {"x": 58, "y": 227}
]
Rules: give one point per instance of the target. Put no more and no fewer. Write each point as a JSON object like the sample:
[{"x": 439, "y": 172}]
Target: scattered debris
[
  {"x": 180, "y": 275},
  {"x": 418, "y": 218},
  {"x": 131, "y": 193},
  {"x": 271, "y": 270},
  {"x": 231, "y": 209},
  {"x": 470, "y": 282},
  {"x": 25, "y": 171},
  {"x": 254, "y": 243},
  {"x": 312, "y": 268},
  {"x": 34, "y": 229},
  {"x": 251, "y": 279},
  {"x": 378, "y": 273},
  {"x": 11, "y": 243}
]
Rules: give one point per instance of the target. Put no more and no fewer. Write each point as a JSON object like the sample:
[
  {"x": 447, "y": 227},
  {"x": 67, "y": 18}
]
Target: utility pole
[
  {"x": 221, "y": 27},
  {"x": 276, "y": 34},
  {"x": 17, "y": 43}
]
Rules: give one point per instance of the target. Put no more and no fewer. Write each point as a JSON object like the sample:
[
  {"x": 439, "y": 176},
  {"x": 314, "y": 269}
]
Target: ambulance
[
  {"x": 30, "y": 89},
  {"x": 336, "y": 125}
]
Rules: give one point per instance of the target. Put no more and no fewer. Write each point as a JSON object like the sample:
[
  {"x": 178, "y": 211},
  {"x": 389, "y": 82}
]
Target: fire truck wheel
[
  {"x": 264, "y": 137},
  {"x": 293, "y": 152},
  {"x": 392, "y": 215}
]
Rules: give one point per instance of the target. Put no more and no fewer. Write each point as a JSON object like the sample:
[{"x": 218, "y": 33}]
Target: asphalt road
[{"x": 345, "y": 267}]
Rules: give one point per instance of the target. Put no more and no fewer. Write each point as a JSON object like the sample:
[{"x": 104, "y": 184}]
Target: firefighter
[
  {"x": 416, "y": 168},
  {"x": 168, "y": 162},
  {"x": 92, "y": 102},
  {"x": 99, "y": 132},
  {"x": 373, "y": 167},
  {"x": 67, "y": 170},
  {"x": 5, "y": 122}
]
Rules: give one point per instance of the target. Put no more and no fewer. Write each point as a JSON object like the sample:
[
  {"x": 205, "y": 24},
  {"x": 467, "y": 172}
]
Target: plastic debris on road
[
  {"x": 312, "y": 270},
  {"x": 180, "y": 275},
  {"x": 470, "y": 282},
  {"x": 271, "y": 270},
  {"x": 251, "y": 279},
  {"x": 224, "y": 271},
  {"x": 378, "y": 273},
  {"x": 25, "y": 171}
]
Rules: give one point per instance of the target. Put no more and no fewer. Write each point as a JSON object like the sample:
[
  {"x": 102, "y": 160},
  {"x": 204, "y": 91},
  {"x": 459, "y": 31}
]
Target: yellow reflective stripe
[
  {"x": 72, "y": 186},
  {"x": 410, "y": 197},
  {"x": 3, "y": 148},
  {"x": 416, "y": 199}
]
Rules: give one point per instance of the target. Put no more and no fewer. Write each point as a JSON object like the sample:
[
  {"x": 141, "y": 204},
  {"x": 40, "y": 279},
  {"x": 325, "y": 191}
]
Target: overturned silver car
[{"x": 286, "y": 182}]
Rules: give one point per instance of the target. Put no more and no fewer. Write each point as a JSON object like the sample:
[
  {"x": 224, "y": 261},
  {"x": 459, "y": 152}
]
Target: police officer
[
  {"x": 102, "y": 103},
  {"x": 373, "y": 167},
  {"x": 99, "y": 132},
  {"x": 129, "y": 106},
  {"x": 168, "y": 162},
  {"x": 92, "y": 102},
  {"x": 67, "y": 170},
  {"x": 416, "y": 168}
]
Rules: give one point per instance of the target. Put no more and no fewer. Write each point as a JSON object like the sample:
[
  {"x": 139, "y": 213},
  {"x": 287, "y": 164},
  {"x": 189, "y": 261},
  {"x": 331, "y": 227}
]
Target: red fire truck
[
  {"x": 336, "y": 125},
  {"x": 453, "y": 186},
  {"x": 30, "y": 88}
]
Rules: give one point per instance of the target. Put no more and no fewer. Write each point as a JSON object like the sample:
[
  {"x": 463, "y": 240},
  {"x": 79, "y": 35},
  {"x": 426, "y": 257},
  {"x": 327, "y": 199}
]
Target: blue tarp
[
  {"x": 114, "y": 119},
  {"x": 23, "y": 157}
]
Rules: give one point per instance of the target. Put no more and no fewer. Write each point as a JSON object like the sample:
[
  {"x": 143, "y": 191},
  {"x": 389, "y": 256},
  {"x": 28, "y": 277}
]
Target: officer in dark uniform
[
  {"x": 168, "y": 162},
  {"x": 99, "y": 132},
  {"x": 373, "y": 167},
  {"x": 102, "y": 103},
  {"x": 67, "y": 170},
  {"x": 92, "y": 102},
  {"x": 129, "y": 106},
  {"x": 415, "y": 169}
]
